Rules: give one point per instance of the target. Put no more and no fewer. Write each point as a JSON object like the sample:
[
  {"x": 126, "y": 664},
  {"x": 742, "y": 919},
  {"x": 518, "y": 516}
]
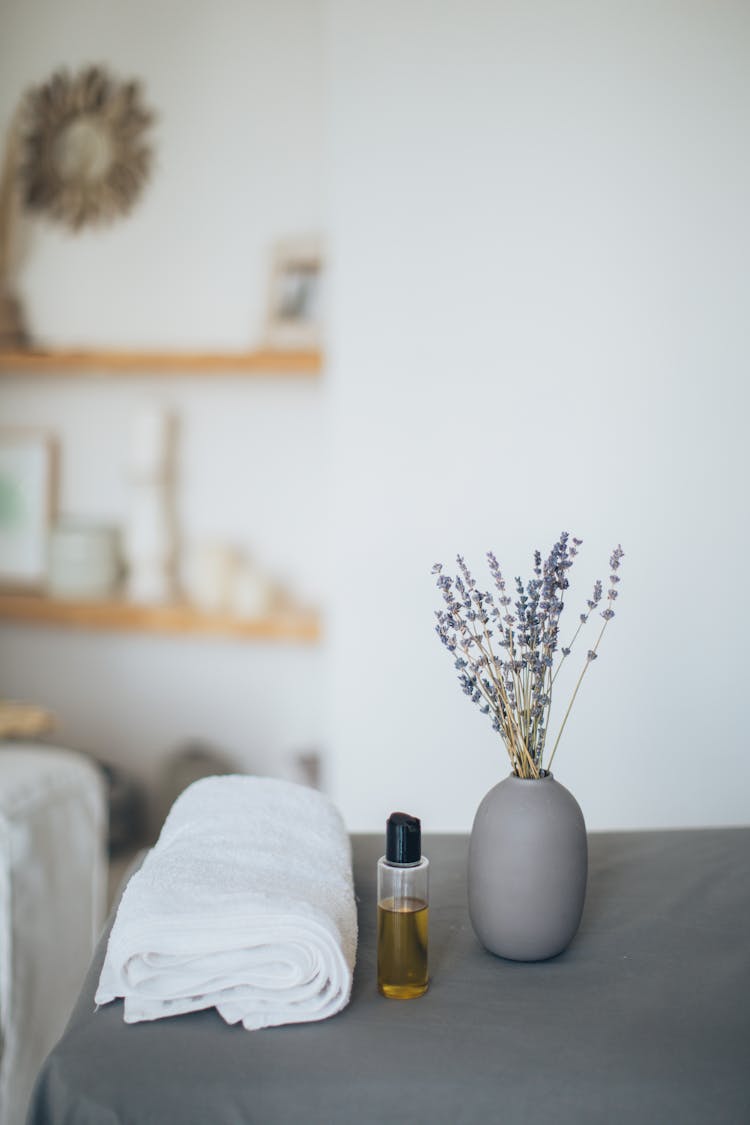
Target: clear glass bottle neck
[{"x": 399, "y": 882}]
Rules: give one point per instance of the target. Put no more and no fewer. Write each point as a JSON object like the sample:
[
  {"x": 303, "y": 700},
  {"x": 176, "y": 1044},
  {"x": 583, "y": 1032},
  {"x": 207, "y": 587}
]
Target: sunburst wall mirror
[{"x": 84, "y": 157}]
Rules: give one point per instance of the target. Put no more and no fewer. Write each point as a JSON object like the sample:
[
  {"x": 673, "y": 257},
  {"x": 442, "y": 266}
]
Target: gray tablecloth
[{"x": 645, "y": 1018}]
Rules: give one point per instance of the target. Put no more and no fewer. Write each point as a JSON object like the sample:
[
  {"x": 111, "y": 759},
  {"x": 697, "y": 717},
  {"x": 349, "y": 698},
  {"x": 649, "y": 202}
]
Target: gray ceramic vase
[{"x": 528, "y": 861}]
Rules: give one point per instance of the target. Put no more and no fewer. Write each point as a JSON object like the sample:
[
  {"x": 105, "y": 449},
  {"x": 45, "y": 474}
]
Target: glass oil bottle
[{"x": 403, "y": 910}]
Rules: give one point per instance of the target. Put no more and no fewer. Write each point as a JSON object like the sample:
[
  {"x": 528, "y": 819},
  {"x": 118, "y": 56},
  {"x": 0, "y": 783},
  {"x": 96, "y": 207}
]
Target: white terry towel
[{"x": 245, "y": 904}]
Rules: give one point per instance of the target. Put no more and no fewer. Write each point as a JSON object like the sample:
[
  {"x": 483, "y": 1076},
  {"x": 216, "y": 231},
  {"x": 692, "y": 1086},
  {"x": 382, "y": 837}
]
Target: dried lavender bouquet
[{"x": 504, "y": 651}]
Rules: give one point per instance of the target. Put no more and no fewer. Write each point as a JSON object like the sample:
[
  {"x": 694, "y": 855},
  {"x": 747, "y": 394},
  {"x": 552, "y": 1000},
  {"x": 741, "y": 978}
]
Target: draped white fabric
[{"x": 52, "y": 898}]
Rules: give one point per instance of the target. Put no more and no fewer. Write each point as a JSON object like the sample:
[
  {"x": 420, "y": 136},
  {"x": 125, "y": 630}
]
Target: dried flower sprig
[{"x": 514, "y": 686}]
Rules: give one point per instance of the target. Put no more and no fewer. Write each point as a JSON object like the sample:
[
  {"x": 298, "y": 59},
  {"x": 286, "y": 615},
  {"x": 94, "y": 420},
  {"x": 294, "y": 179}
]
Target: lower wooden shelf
[
  {"x": 264, "y": 361},
  {"x": 122, "y": 616}
]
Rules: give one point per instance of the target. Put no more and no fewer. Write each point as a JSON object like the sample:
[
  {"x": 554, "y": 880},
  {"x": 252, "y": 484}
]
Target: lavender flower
[{"x": 505, "y": 660}]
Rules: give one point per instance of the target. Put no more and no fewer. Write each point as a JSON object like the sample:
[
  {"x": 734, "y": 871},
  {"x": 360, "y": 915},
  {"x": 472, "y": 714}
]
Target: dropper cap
[{"x": 403, "y": 839}]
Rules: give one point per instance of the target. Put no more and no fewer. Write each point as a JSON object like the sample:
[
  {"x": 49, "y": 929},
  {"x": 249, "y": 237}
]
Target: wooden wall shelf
[
  {"x": 121, "y": 616},
  {"x": 262, "y": 362}
]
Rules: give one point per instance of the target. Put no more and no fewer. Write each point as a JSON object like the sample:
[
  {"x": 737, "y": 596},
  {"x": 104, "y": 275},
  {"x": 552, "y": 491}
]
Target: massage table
[{"x": 645, "y": 1018}]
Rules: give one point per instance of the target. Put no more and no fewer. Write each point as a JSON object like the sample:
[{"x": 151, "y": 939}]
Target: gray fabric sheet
[{"x": 645, "y": 1018}]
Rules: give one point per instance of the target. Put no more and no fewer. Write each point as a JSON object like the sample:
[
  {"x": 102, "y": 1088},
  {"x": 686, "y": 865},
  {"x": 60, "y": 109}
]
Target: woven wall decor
[{"x": 84, "y": 155}]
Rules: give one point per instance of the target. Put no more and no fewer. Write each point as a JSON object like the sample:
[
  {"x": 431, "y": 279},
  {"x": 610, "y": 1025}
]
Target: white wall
[
  {"x": 238, "y": 87},
  {"x": 540, "y": 314}
]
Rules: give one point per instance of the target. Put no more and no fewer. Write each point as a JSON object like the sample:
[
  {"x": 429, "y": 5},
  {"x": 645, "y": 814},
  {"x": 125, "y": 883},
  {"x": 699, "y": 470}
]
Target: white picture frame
[
  {"x": 295, "y": 294},
  {"x": 27, "y": 460}
]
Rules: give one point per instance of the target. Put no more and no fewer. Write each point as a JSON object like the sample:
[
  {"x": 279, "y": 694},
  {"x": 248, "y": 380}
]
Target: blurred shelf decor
[
  {"x": 27, "y": 480},
  {"x": 295, "y": 294},
  {"x": 265, "y": 361},
  {"x": 24, "y": 720},
  {"x": 290, "y": 625}
]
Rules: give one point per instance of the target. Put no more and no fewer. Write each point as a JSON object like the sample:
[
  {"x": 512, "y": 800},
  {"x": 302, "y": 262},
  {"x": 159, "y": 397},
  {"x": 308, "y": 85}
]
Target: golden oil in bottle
[
  {"x": 402, "y": 948},
  {"x": 403, "y": 899}
]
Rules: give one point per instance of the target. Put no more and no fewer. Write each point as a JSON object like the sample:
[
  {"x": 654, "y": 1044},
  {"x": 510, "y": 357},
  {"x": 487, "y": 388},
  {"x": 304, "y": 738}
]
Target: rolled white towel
[{"x": 245, "y": 904}]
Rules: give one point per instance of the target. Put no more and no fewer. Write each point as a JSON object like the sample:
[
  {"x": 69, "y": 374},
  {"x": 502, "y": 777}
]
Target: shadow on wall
[
  {"x": 196, "y": 759},
  {"x": 189, "y": 762}
]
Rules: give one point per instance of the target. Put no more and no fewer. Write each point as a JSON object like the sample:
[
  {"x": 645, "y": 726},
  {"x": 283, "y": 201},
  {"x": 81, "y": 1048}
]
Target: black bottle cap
[{"x": 403, "y": 839}]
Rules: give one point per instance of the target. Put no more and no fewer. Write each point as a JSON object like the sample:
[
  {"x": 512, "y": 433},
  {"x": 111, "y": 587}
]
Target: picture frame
[
  {"x": 295, "y": 294},
  {"x": 27, "y": 477}
]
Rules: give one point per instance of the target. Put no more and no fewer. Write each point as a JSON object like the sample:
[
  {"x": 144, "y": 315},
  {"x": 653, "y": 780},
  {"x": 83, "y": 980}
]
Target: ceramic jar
[{"x": 528, "y": 863}]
